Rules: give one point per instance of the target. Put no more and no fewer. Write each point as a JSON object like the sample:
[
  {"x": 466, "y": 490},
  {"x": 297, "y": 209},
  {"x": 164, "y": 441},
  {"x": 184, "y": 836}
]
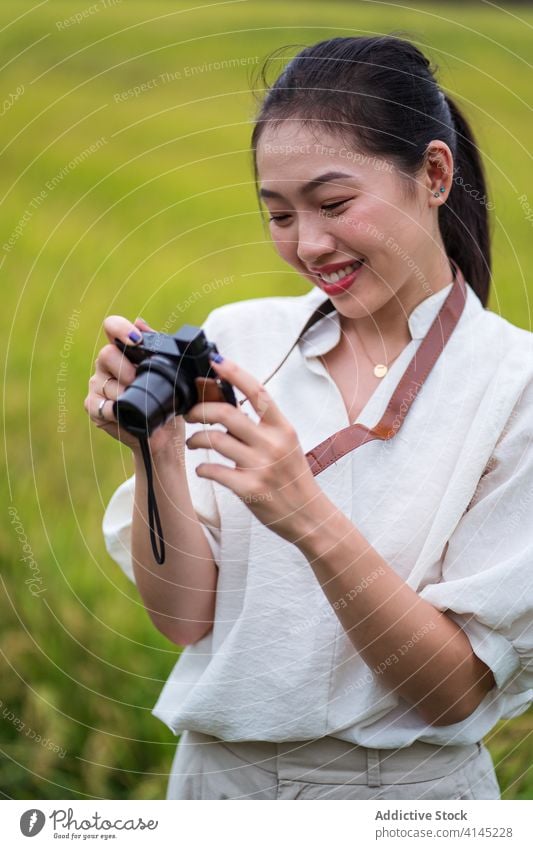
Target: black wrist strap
[{"x": 153, "y": 512}]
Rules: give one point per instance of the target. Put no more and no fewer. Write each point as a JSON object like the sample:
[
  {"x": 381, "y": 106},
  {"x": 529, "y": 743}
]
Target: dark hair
[{"x": 381, "y": 92}]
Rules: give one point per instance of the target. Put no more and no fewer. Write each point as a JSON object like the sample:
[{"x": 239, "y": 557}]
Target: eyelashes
[
  {"x": 329, "y": 207},
  {"x": 335, "y": 205}
]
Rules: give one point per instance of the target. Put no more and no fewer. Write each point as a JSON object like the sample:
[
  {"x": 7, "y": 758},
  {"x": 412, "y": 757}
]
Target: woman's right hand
[{"x": 114, "y": 370}]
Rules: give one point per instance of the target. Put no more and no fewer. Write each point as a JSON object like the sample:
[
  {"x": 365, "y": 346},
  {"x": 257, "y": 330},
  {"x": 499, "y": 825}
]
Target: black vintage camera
[{"x": 173, "y": 374}]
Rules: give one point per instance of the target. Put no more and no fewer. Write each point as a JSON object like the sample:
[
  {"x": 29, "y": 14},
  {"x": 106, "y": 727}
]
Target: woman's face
[{"x": 331, "y": 205}]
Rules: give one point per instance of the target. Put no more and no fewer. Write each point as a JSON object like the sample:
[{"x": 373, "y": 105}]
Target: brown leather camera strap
[{"x": 425, "y": 357}]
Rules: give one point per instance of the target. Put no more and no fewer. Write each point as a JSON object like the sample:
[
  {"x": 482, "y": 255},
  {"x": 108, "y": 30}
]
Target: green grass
[{"x": 165, "y": 205}]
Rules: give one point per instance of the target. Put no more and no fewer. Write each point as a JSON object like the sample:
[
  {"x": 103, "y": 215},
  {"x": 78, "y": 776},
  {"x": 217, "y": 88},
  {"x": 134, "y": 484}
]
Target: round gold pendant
[{"x": 380, "y": 370}]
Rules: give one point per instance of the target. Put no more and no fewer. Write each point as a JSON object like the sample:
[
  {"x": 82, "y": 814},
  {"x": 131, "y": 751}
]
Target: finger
[
  {"x": 225, "y": 444},
  {"x": 100, "y": 412},
  {"x": 220, "y": 412},
  {"x": 118, "y": 327},
  {"x": 107, "y": 386},
  {"x": 223, "y": 475},
  {"x": 111, "y": 361},
  {"x": 261, "y": 401},
  {"x": 142, "y": 325}
]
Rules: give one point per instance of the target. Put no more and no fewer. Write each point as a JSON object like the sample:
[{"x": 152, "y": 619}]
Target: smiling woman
[{"x": 344, "y": 576}]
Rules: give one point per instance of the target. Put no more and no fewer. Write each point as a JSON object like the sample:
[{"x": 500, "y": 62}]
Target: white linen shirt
[{"x": 448, "y": 504}]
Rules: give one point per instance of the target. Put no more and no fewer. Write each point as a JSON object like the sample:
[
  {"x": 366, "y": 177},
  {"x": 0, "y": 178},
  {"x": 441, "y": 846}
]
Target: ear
[{"x": 438, "y": 172}]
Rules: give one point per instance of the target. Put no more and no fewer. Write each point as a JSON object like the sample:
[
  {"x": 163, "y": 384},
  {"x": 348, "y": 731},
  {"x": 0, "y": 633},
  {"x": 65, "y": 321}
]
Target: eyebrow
[{"x": 310, "y": 186}]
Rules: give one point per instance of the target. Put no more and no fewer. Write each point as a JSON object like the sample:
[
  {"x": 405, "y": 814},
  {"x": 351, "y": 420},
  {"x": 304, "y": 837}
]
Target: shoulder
[
  {"x": 505, "y": 348},
  {"x": 514, "y": 336},
  {"x": 511, "y": 350},
  {"x": 494, "y": 323},
  {"x": 512, "y": 345}
]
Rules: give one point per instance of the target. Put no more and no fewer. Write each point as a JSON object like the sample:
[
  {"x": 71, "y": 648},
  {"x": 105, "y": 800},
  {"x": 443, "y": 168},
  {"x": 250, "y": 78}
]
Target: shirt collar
[{"x": 325, "y": 334}]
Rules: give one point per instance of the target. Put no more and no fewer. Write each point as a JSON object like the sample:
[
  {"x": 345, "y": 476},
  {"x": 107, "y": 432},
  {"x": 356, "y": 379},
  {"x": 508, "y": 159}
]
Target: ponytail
[{"x": 463, "y": 219}]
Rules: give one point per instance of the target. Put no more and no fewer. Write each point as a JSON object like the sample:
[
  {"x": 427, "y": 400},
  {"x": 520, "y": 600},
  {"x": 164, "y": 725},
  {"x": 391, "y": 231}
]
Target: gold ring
[
  {"x": 101, "y": 408},
  {"x": 103, "y": 387}
]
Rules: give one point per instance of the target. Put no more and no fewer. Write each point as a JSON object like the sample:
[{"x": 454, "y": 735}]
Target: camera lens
[{"x": 157, "y": 392}]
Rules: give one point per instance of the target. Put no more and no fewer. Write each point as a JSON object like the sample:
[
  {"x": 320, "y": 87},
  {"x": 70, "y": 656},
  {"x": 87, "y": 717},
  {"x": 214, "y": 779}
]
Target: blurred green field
[{"x": 144, "y": 205}]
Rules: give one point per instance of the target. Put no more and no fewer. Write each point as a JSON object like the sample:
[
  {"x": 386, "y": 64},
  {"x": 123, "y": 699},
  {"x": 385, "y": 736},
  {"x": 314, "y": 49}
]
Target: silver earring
[{"x": 436, "y": 194}]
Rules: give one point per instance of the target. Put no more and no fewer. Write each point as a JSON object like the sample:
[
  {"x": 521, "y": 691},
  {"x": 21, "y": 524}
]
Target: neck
[{"x": 389, "y": 323}]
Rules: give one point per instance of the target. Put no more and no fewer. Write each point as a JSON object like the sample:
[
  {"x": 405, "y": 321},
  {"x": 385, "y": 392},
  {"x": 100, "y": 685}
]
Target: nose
[{"x": 314, "y": 239}]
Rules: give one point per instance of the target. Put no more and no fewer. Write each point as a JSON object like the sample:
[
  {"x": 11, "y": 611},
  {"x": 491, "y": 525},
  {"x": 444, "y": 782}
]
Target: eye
[
  {"x": 332, "y": 206},
  {"x": 279, "y": 218},
  {"x": 326, "y": 209}
]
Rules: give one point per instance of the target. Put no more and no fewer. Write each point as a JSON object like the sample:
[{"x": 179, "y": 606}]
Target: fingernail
[
  {"x": 134, "y": 336},
  {"x": 140, "y": 318},
  {"x": 218, "y": 358}
]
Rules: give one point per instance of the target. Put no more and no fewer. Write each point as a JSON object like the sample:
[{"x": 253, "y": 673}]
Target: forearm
[
  {"x": 179, "y": 595},
  {"x": 415, "y": 649}
]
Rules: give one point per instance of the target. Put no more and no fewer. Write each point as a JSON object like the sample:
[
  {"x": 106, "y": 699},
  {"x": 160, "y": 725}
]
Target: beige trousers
[{"x": 206, "y": 767}]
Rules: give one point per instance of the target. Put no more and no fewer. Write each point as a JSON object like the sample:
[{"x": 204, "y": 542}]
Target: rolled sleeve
[
  {"x": 487, "y": 568},
  {"x": 491, "y": 647},
  {"x": 116, "y": 526}
]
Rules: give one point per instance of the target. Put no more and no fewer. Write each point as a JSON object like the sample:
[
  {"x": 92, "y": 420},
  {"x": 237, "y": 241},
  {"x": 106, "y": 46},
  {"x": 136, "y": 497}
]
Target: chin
[{"x": 354, "y": 310}]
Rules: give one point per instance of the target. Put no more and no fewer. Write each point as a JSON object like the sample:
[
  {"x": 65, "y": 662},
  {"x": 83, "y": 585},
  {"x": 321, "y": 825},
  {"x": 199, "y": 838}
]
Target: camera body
[{"x": 173, "y": 374}]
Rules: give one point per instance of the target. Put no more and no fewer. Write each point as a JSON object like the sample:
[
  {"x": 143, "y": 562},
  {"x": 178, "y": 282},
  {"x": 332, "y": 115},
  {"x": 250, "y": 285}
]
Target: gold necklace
[{"x": 380, "y": 369}]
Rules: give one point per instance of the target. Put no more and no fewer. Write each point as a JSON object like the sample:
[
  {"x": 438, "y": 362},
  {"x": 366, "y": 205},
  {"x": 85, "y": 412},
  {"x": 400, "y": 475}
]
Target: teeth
[{"x": 336, "y": 275}]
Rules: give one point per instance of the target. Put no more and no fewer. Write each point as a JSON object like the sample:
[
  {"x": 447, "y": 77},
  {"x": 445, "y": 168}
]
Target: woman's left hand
[{"x": 271, "y": 474}]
